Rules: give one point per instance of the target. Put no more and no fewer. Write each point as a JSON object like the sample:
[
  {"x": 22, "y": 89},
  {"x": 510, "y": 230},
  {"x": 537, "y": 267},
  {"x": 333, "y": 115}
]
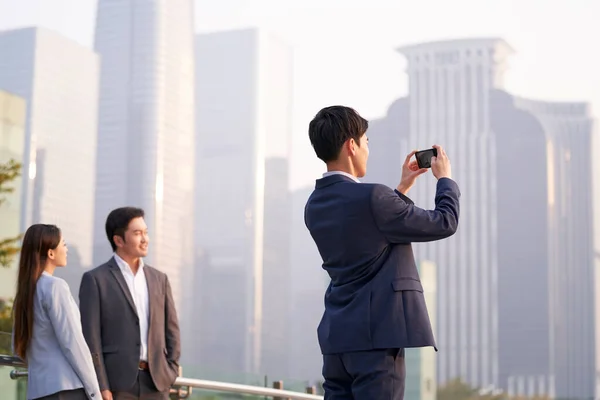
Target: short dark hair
[
  {"x": 332, "y": 127},
  {"x": 118, "y": 220}
]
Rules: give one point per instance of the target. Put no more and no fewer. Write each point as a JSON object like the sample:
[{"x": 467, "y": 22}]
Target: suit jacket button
[{"x": 92, "y": 395}]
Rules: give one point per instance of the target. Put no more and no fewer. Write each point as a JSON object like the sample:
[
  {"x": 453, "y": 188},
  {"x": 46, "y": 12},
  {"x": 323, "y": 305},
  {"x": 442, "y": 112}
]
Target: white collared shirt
[
  {"x": 329, "y": 173},
  {"x": 139, "y": 292}
]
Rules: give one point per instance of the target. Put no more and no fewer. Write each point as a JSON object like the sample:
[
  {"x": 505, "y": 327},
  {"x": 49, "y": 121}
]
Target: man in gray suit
[{"x": 128, "y": 316}]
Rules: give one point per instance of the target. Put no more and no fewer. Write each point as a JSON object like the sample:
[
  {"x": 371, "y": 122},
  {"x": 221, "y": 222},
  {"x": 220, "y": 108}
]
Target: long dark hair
[{"x": 38, "y": 240}]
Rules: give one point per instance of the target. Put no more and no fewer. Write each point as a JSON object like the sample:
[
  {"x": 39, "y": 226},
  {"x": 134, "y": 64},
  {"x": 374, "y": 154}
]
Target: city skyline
[
  {"x": 550, "y": 65},
  {"x": 216, "y": 220}
]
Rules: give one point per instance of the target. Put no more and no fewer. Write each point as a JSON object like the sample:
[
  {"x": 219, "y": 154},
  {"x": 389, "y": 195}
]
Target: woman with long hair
[{"x": 47, "y": 332}]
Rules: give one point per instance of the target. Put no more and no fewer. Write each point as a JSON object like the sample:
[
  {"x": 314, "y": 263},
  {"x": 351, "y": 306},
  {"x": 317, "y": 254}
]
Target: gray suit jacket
[
  {"x": 58, "y": 357},
  {"x": 111, "y": 328}
]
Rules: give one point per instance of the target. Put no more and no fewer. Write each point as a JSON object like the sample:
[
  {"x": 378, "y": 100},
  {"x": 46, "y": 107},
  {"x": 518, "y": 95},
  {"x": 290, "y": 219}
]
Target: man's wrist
[{"x": 402, "y": 189}]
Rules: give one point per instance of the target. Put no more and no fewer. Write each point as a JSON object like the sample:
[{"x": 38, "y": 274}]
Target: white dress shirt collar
[
  {"x": 125, "y": 267},
  {"x": 329, "y": 173}
]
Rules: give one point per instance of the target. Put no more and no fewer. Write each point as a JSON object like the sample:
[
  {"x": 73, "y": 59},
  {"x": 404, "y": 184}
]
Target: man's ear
[
  {"x": 119, "y": 242},
  {"x": 352, "y": 146}
]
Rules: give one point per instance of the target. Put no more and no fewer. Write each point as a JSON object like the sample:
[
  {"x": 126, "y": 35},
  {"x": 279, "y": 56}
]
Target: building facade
[
  {"x": 547, "y": 337},
  {"x": 515, "y": 293},
  {"x": 243, "y": 100},
  {"x": 145, "y": 153},
  {"x": 58, "y": 79},
  {"x": 449, "y": 85}
]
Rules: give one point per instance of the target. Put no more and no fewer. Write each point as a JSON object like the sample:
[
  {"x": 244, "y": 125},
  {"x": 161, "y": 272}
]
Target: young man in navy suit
[{"x": 374, "y": 305}]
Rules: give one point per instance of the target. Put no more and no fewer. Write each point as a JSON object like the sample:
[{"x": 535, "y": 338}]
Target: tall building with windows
[
  {"x": 449, "y": 85},
  {"x": 547, "y": 337},
  {"x": 244, "y": 93},
  {"x": 276, "y": 332},
  {"x": 145, "y": 153},
  {"x": 13, "y": 111},
  {"x": 515, "y": 295},
  {"x": 58, "y": 79}
]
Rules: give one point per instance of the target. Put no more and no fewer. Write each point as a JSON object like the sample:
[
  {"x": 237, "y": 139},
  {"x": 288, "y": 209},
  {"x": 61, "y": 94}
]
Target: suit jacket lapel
[
  {"x": 121, "y": 280},
  {"x": 153, "y": 291}
]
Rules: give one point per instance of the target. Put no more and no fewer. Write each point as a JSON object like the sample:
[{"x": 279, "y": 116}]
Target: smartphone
[{"x": 424, "y": 157}]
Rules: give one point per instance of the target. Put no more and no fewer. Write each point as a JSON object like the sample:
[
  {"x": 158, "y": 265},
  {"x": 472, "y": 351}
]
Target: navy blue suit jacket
[{"x": 364, "y": 233}]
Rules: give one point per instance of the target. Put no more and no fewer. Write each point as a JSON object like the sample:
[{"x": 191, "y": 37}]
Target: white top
[{"x": 139, "y": 292}]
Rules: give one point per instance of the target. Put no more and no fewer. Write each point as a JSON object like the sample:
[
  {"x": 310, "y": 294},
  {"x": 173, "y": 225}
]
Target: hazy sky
[{"x": 344, "y": 49}]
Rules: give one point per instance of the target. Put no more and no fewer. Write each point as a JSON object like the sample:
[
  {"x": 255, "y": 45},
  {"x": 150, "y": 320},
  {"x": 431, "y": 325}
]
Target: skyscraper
[
  {"x": 244, "y": 93},
  {"x": 277, "y": 271},
  {"x": 58, "y": 79},
  {"x": 449, "y": 85},
  {"x": 545, "y": 242},
  {"x": 515, "y": 307},
  {"x": 145, "y": 150}
]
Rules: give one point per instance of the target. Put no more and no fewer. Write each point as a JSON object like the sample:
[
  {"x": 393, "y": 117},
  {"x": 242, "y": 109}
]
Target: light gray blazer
[{"x": 58, "y": 357}]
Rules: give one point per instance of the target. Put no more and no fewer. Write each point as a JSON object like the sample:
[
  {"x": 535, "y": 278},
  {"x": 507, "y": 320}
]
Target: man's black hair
[
  {"x": 118, "y": 220},
  {"x": 332, "y": 127}
]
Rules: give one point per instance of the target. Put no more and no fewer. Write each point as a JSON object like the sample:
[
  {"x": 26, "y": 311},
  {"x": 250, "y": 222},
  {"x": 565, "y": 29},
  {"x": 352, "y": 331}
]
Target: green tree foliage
[
  {"x": 456, "y": 389},
  {"x": 9, "y": 248}
]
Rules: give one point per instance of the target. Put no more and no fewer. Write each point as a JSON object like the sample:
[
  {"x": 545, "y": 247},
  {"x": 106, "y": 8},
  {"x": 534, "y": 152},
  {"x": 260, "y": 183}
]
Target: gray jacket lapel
[
  {"x": 114, "y": 268},
  {"x": 153, "y": 290}
]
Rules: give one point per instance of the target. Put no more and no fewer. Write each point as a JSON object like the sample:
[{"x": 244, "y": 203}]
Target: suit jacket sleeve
[
  {"x": 64, "y": 316},
  {"x": 401, "y": 221},
  {"x": 89, "y": 304},
  {"x": 172, "y": 334},
  {"x": 403, "y": 197}
]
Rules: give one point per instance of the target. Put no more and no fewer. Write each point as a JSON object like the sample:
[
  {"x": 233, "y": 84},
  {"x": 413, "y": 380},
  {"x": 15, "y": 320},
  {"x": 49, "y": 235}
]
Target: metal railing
[{"x": 182, "y": 388}]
